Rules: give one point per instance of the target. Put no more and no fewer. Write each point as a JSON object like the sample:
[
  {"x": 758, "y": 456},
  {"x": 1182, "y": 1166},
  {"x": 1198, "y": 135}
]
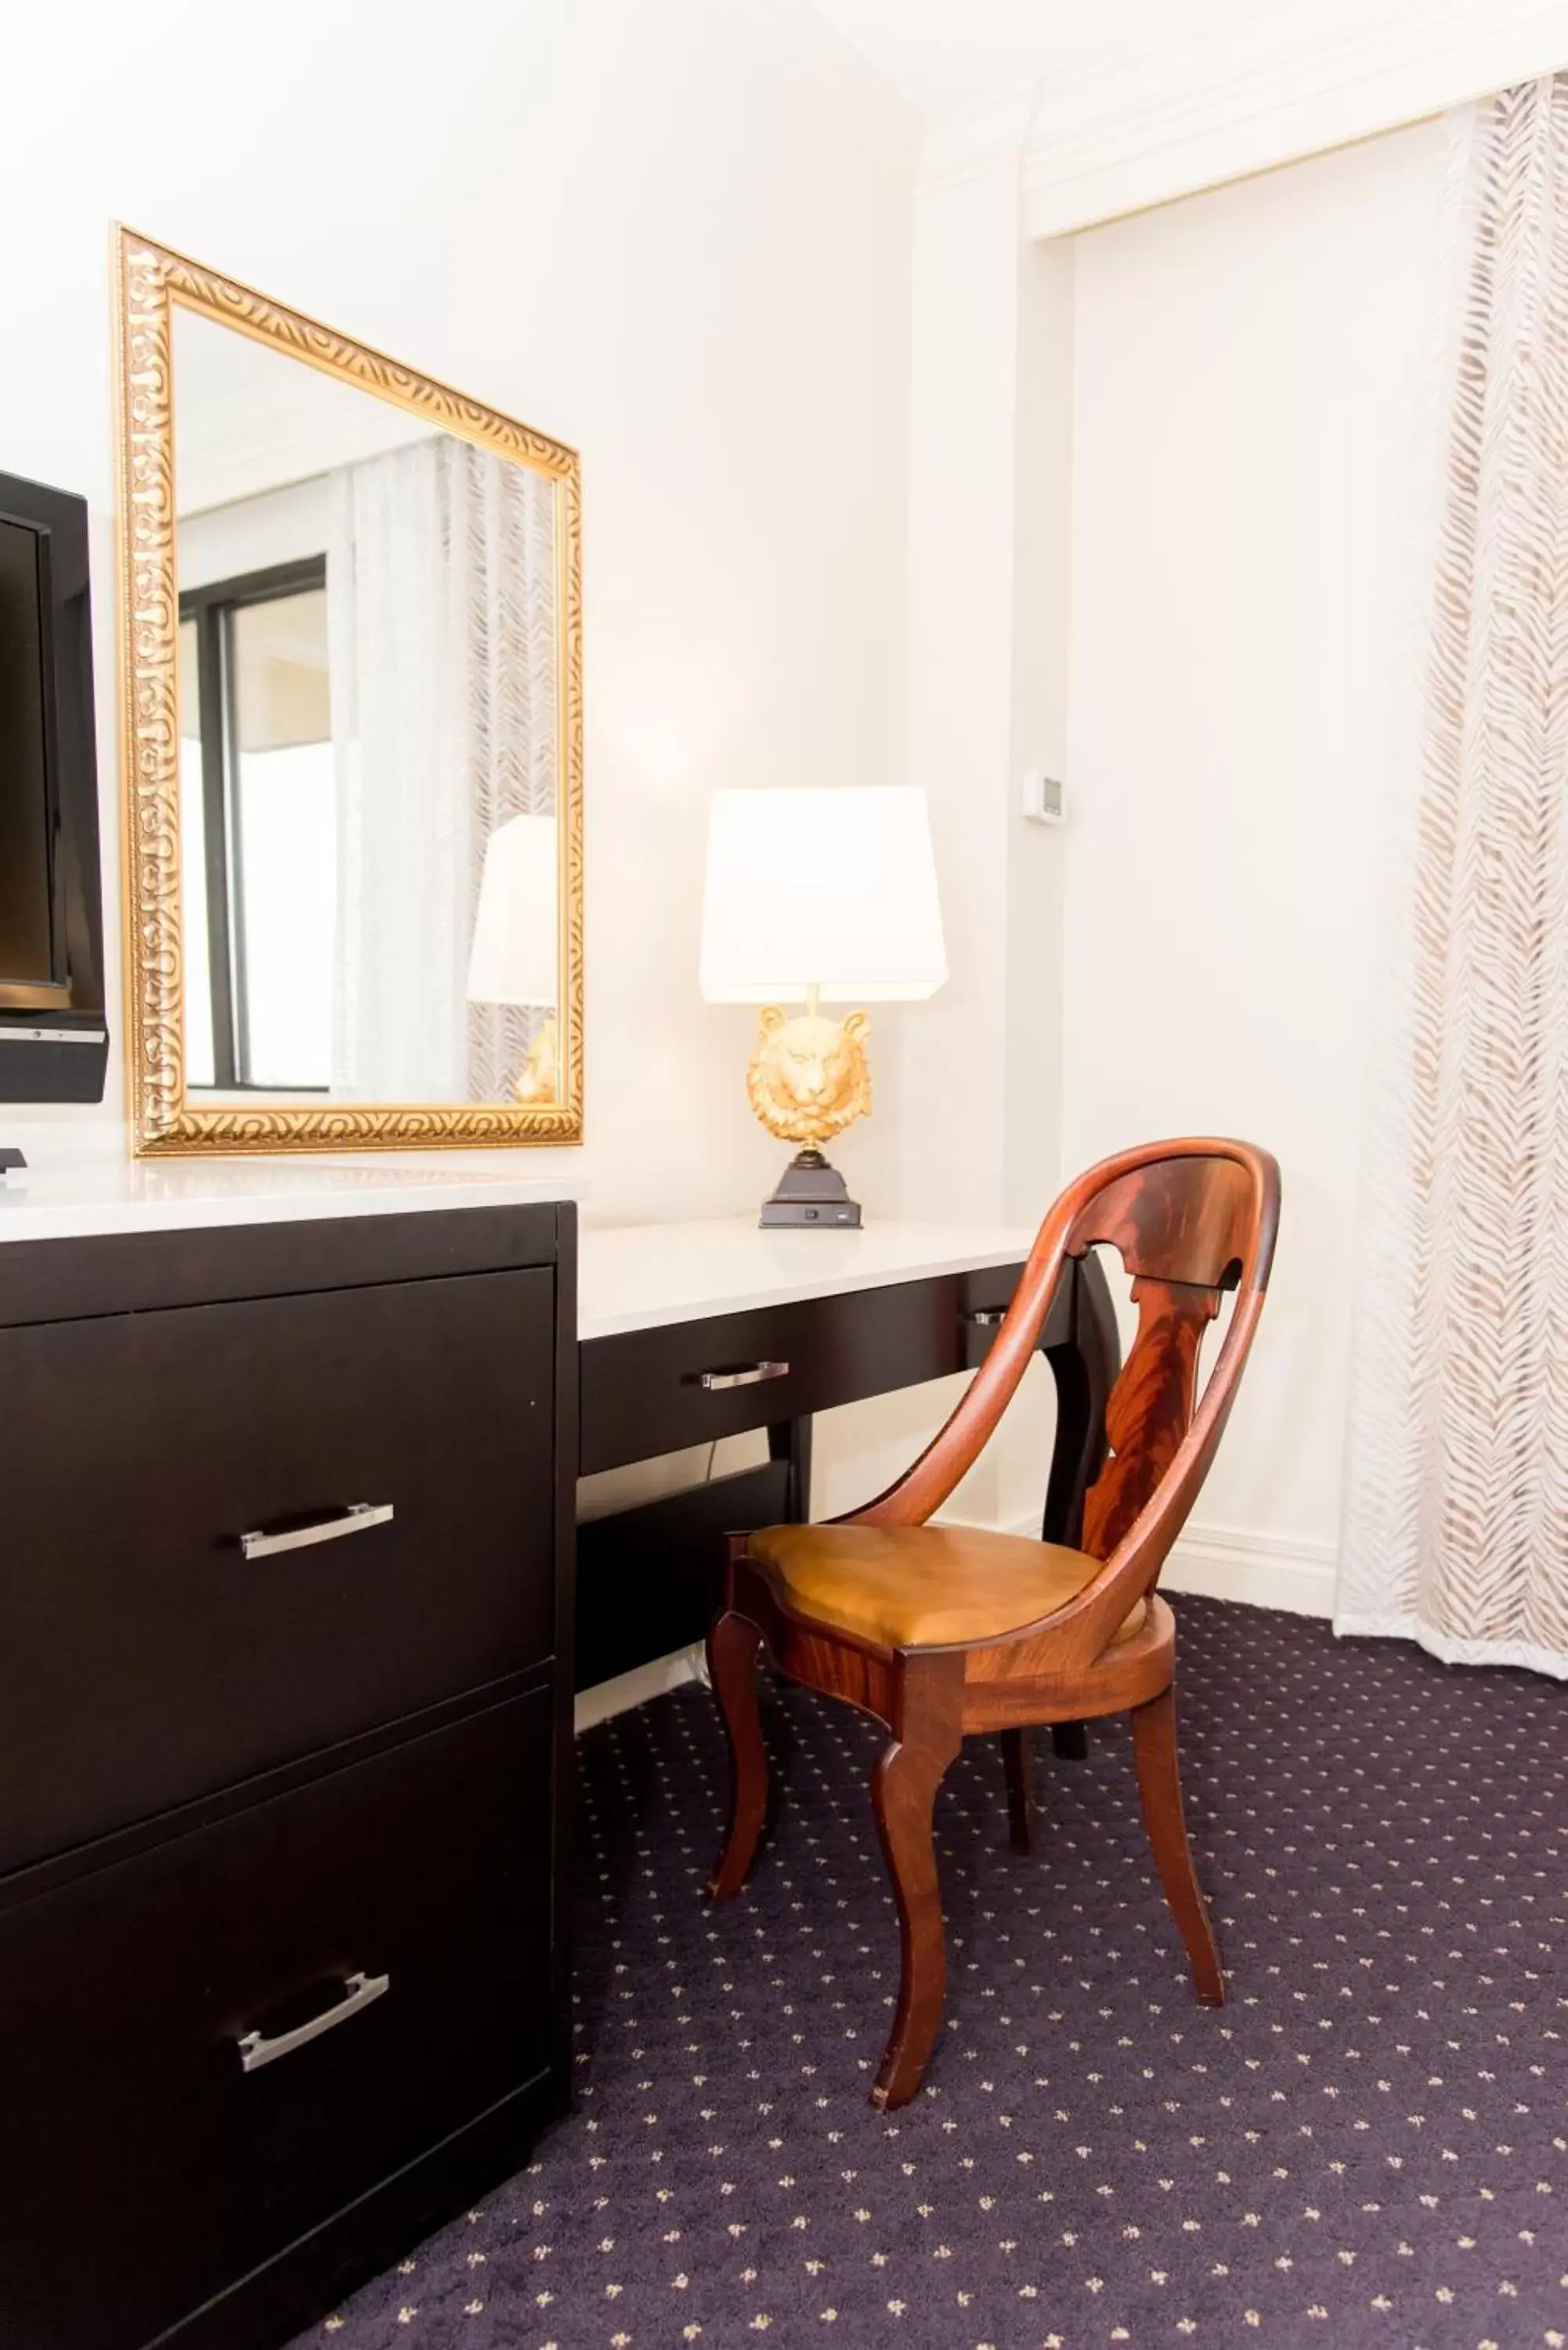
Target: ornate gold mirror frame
[{"x": 150, "y": 282}]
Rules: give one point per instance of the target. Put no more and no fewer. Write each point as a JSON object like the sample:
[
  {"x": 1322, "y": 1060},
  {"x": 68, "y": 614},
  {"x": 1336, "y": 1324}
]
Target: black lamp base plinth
[{"x": 810, "y": 1191}]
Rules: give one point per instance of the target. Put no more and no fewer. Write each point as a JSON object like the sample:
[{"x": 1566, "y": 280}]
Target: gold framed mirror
[{"x": 351, "y": 714}]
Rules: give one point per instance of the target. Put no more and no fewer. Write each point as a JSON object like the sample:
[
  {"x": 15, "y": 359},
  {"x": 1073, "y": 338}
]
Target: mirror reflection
[{"x": 368, "y": 680}]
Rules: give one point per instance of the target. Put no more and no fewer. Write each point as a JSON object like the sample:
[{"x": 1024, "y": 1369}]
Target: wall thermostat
[{"x": 1044, "y": 802}]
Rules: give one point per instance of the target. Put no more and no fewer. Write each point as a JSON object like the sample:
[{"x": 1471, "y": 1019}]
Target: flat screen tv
[{"x": 53, "y": 1035}]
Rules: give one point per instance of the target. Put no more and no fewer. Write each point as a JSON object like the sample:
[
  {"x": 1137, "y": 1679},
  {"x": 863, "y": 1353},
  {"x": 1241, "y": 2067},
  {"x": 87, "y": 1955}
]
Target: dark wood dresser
[{"x": 285, "y": 1526}]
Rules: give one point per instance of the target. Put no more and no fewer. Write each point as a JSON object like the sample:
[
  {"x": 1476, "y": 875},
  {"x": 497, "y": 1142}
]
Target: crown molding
[
  {"x": 1280, "y": 81},
  {"x": 991, "y": 135}
]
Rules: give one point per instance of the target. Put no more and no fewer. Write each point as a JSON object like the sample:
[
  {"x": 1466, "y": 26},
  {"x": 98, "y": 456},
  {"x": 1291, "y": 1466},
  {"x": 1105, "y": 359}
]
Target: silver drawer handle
[
  {"x": 743, "y": 1375},
  {"x": 352, "y": 1520},
  {"x": 359, "y": 1991},
  {"x": 986, "y": 1318}
]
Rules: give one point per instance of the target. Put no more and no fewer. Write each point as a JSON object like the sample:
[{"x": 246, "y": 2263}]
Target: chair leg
[
  {"x": 732, "y": 1645},
  {"x": 1017, "y": 1761},
  {"x": 1070, "y": 1741},
  {"x": 903, "y": 1792},
  {"x": 1159, "y": 1786}
]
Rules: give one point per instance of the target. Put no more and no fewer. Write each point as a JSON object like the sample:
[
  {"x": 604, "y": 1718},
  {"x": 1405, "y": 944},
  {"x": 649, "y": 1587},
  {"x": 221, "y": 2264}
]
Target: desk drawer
[
  {"x": 144, "y": 1658},
  {"x": 642, "y": 1390},
  {"x": 145, "y": 2168}
]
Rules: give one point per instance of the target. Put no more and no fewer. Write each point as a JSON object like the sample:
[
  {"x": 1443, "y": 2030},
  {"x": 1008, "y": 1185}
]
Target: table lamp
[
  {"x": 813, "y": 897},
  {"x": 514, "y": 958}
]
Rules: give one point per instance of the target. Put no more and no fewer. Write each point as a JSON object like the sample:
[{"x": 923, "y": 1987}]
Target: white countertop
[
  {"x": 630, "y": 1276},
  {"x": 636, "y": 1276},
  {"x": 100, "y": 1194}
]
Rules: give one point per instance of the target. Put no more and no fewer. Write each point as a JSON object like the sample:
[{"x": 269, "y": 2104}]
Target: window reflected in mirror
[{"x": 259, "y": 829}]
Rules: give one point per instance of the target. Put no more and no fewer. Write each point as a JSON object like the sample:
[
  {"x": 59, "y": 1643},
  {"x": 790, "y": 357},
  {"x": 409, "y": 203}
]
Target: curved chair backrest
[
  {"x": 1190, "y": 1218},
  {"x": 1184, "y": 1227}
]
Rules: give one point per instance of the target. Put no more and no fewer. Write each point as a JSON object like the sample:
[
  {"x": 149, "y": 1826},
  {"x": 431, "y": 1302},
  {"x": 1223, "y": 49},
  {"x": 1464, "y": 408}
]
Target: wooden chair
[{"x": 942, "y": 1632}]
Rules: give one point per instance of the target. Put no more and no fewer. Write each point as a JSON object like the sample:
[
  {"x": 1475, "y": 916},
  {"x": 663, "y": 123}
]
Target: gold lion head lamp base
[
  {"x": 536, "y": 1079},
  {"x": 807, "y": 1081}
]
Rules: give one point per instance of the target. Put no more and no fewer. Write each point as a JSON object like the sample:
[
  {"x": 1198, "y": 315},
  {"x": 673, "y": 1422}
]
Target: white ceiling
[
  {"x": 943, "y": 54},
  {"x": 249, "y": 418}
]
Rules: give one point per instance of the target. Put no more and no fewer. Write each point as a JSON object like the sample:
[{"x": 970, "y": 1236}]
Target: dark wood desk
[
  {"x": 690, "y": 1333},
  {"x": 286, "y": 1737}
]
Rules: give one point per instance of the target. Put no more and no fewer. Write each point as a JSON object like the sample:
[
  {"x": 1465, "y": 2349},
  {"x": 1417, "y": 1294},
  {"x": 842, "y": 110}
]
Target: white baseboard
[
  {"x": 1291, "y": 1572},
  {"x": 597, "y": 1704}
]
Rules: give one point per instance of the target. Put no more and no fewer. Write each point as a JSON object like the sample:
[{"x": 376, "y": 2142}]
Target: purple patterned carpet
[{"x": 1367, "y": 2146}]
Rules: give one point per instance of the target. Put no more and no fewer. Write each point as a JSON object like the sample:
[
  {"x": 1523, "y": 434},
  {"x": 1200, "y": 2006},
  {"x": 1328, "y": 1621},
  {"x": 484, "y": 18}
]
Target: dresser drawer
[
  {"x": 144, "y": 1656},
  {"x": 145, "y": 2168},
  {"x": 658, "y": 1390}
]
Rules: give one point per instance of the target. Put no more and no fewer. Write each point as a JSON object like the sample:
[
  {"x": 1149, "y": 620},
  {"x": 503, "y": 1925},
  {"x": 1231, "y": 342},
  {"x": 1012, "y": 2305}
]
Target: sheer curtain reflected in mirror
[{"x": 369, "y": 729}]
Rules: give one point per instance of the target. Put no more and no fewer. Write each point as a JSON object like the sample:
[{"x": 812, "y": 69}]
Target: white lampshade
[
  {"x": 823, "y": 888},
  {"x": 514, "y": 957}
]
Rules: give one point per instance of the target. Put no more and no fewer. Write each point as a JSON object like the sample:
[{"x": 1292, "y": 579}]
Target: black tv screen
[
  {"x": 54, "y": 1039},
  {"x": 27, "y": 941}
]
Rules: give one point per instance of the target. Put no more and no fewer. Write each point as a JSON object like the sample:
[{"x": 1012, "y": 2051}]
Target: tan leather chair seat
[{"x": 924, "y": 1587}]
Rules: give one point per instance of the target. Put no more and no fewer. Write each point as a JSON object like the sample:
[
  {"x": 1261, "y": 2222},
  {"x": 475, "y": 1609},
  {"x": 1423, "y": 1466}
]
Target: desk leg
[
  {"x": 789, "y": 1441},
  {"x": 1084, "y": 1368},
  {"x": 1086, "y": 1373}
]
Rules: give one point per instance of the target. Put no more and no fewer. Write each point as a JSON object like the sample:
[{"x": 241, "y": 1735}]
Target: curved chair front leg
[
  {"x": 732, "y": 1645},
  {"x": 903, "y": 1792},
  {"x": 1159, "y": 1787}
]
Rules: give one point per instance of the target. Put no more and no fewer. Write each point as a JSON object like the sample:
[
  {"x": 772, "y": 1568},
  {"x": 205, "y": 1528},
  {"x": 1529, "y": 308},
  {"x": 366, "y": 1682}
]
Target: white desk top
[
  {"x": 636, "y": 1276},
  {"x": 104, "y": 1195},
  {"x": 630, "y": 1277}
]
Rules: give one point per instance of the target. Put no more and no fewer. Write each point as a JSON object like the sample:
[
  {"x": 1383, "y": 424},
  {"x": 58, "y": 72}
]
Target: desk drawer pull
[
  {"x": 352, "y": 1520},
  {"x": 359, "y": 1992},
  {"x": 742, "y": 1375},
  {"x": 987, "y": 1317}
]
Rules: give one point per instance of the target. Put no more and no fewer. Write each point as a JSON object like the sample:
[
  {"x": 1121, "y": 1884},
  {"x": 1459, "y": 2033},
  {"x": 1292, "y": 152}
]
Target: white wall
[
  {"x": 1041, "y": 572},
  {"x": 1246, "y": 367},
  {"x": 653, "y": 228},
  {"x": 979, "y": 1075},
  {"x": 648, "y": 228},
  {"x": 962, "y": 504}
]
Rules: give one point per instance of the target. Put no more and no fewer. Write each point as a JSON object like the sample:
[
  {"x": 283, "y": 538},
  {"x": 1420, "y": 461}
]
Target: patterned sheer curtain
[
  {"x": 1456, "y": 1530},
  {"x": 441, "y": 588},
  {"x": 502, "y": 523}
]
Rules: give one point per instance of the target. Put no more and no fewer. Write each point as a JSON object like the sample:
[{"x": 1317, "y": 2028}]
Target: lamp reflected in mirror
[{"x": 514, "y": 959}]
